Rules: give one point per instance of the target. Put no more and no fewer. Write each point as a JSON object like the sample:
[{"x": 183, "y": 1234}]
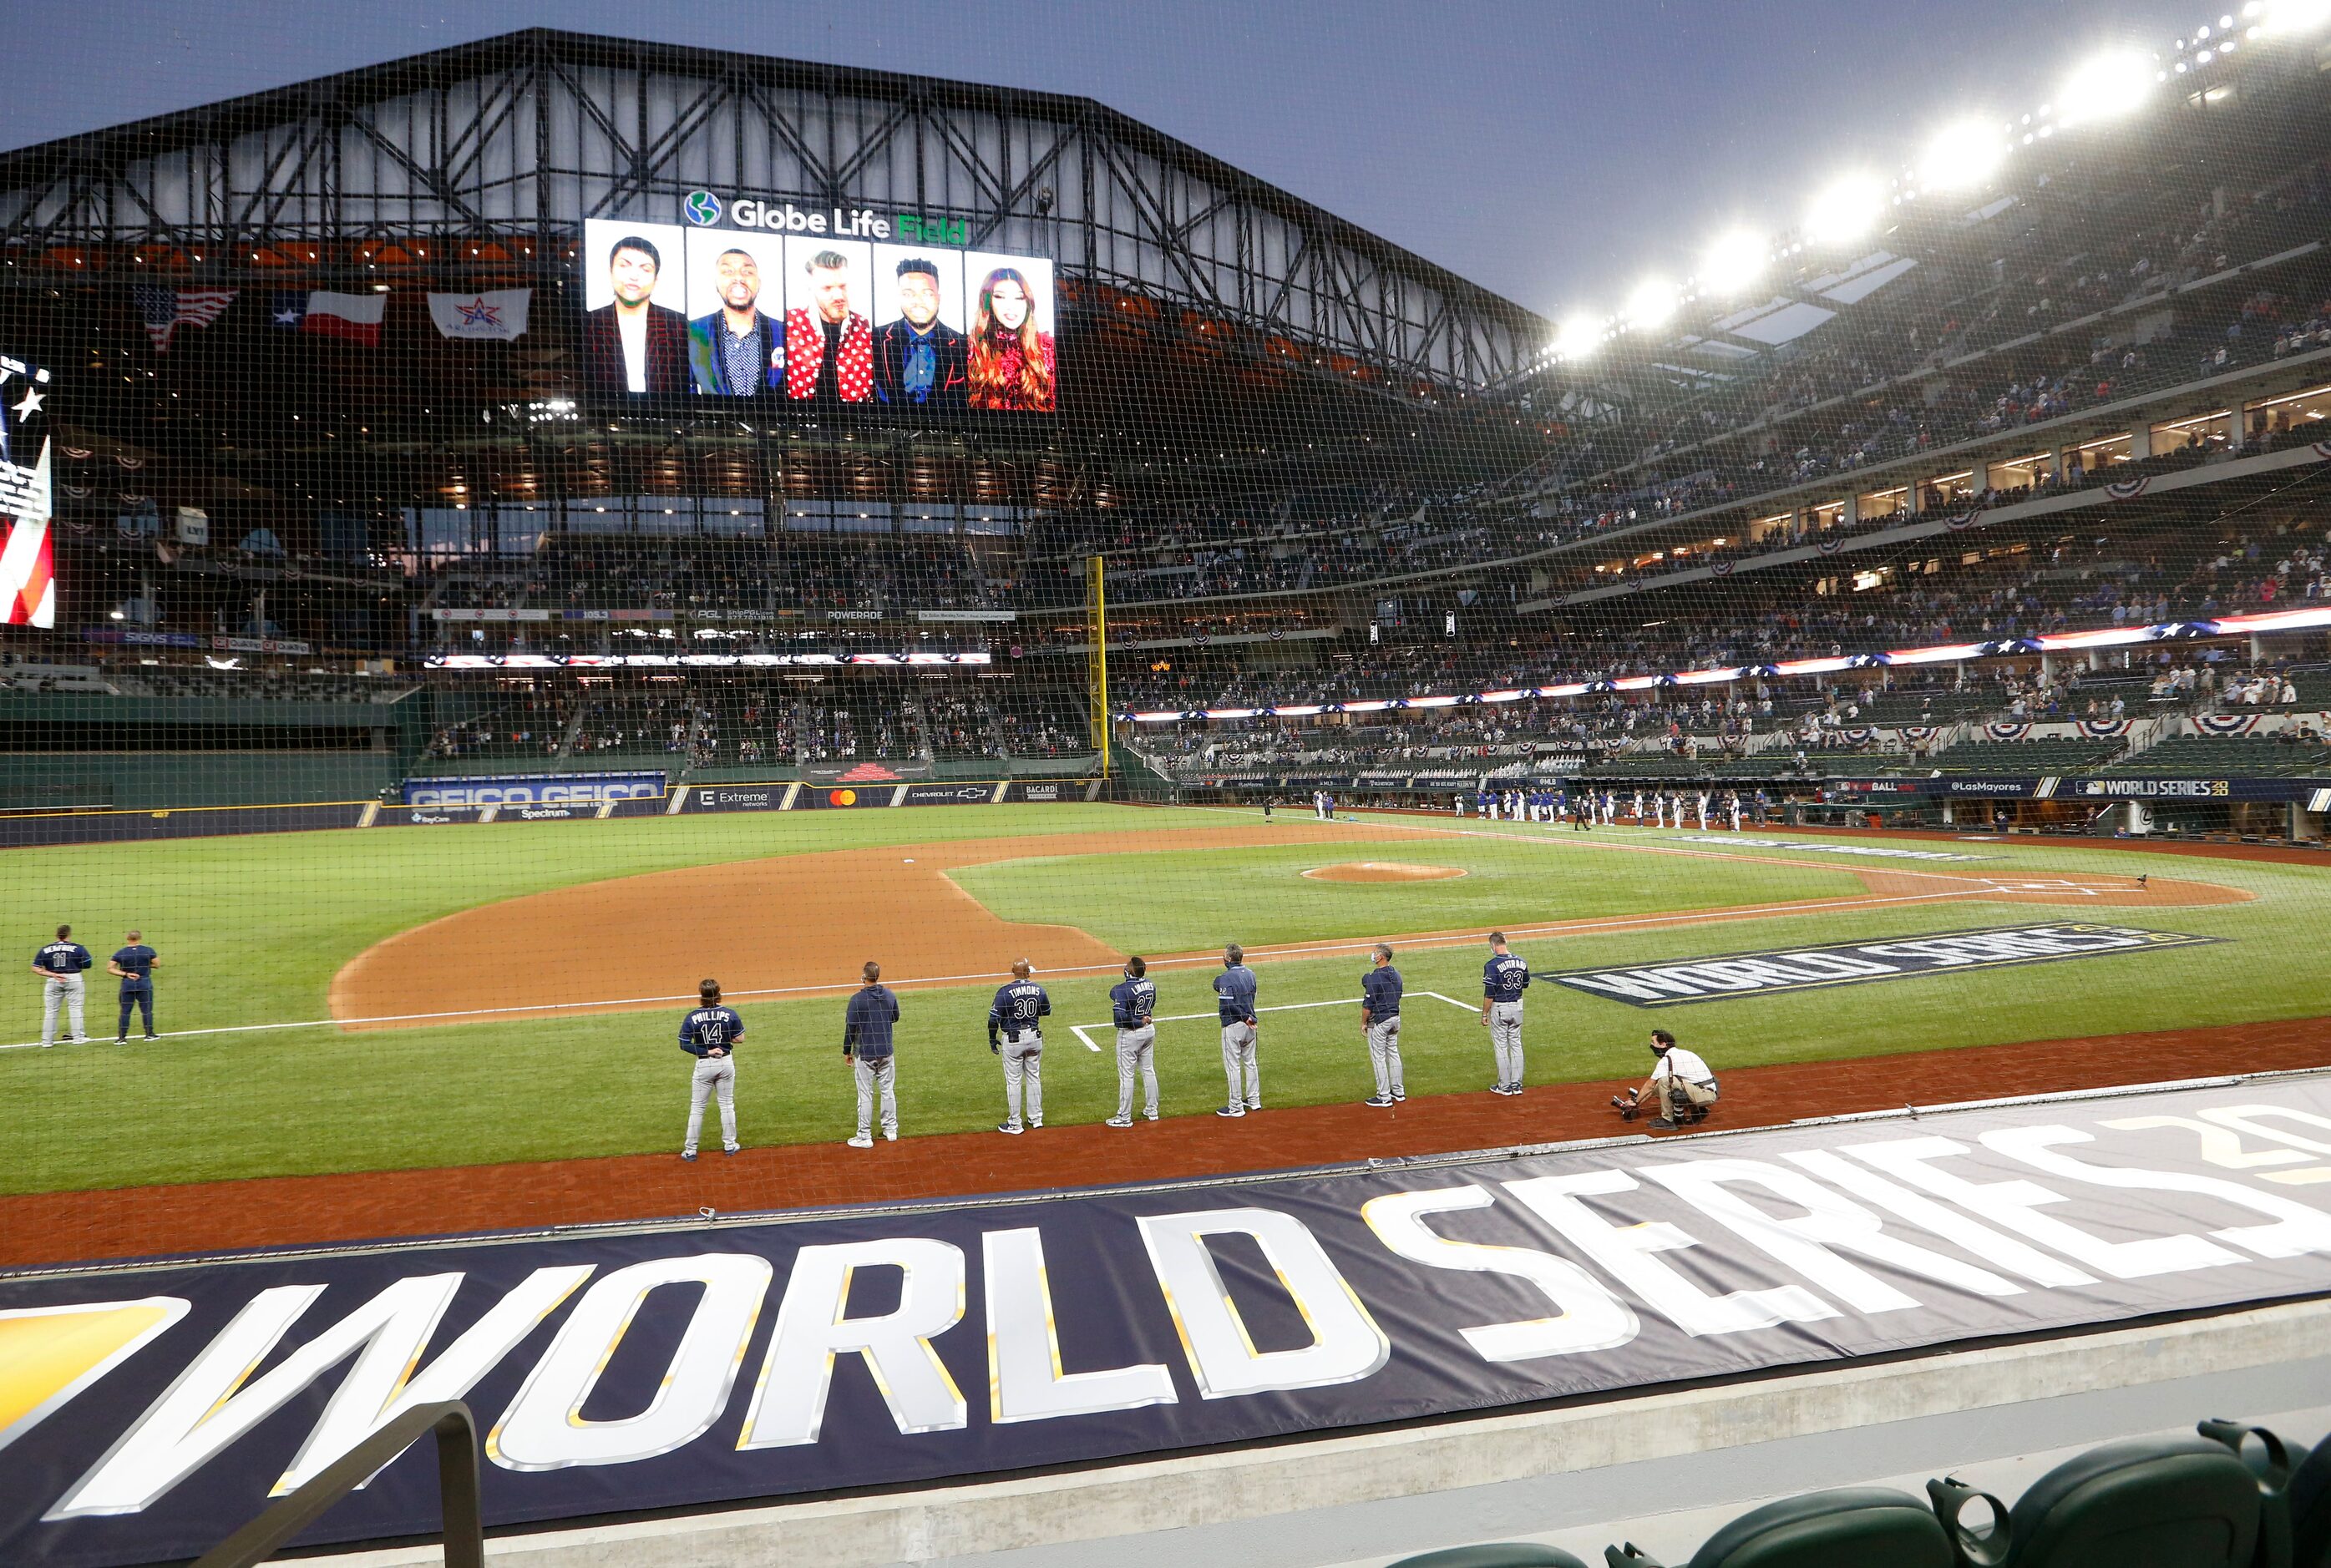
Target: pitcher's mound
[{"x": 1383, "y": 871}]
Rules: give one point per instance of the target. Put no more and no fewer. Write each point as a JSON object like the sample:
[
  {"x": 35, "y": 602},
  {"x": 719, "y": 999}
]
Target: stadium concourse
[{"x": 533, "y": 554}]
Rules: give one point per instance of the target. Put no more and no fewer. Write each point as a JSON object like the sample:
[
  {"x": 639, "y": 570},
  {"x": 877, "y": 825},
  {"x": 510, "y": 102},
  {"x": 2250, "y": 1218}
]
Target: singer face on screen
[
  {"x": 738, "y": 349},
  {"x": 1011, "y": 362},
  {"x": 919, "y": 360},
  {"x": 632, "y": 344},
  {"x": 829, "y": 348}
]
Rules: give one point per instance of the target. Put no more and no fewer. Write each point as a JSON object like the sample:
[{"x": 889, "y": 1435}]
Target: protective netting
[{"x": 639, "y": 476}]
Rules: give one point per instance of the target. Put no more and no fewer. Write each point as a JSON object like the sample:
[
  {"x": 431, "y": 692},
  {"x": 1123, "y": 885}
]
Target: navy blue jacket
[
  {"x": 1235, "y": 990},
  {"x": 138, "y": 961},
  {"x": 706, "y": 1027},
  {"x": 866, "y": 1028},
  {"x": 1017, "y": 1008},
  {"x": 1132, "y": 1002},
  {"x": 1504, "y": 978},
  {"x": 63, "y": 958},
  {"x": 1381, "y": 988}
]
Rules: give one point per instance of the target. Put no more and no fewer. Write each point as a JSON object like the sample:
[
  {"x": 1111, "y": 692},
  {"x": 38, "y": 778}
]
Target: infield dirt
[{"x": 803, "y": 924}]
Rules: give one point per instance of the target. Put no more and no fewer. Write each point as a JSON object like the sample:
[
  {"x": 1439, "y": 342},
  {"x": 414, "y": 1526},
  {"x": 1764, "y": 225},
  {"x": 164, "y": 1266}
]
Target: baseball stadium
[{"x": 701, "y": 751}]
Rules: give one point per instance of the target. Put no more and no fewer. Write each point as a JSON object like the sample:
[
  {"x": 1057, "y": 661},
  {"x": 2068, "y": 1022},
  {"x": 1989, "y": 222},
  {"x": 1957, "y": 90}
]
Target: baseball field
[{"x": 488, "y": 995}]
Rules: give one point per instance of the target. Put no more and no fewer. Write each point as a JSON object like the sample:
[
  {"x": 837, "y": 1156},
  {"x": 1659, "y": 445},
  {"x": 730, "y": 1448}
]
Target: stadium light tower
[
  {"x": 1651, "y": 305},
  {"x": 1578, "y": 336},
  {"x": 1844, "y": 210},
  {"x": 1961, "y": 156},
  {"x": 2105, "y": 88},
  {"x": 1732, "y": 262}
]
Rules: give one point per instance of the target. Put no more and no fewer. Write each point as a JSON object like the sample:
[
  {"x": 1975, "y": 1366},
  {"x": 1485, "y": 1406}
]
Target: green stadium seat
[
  {"x": 1850, "y": 1527},
  {"x": 2181, "y": 1502},
  {"x": 2309, "y": 1495},
  {"x": 1499, "y": 1555}
]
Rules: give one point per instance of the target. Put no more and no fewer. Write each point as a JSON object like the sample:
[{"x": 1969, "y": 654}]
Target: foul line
[
  {"x": 1079, "y": 1030},
  {"x": 1540, "y": 931}
]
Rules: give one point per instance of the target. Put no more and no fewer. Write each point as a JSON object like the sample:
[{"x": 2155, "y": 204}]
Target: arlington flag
[{"x": 497, "y": 314}]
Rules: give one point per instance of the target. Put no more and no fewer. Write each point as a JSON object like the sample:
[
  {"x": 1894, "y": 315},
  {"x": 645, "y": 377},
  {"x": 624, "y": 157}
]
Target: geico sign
[{"x": 531, "y": 794}]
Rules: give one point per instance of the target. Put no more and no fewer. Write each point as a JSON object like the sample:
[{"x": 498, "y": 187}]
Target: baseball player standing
[
  {"x": 866, "y": 1045},
  {"x": 1380, "y": 989},
  {"x": 133, "y": 966},
  {"x": 1504, "y": 978},
  {"x": 1013, "y": 1033},
  {"x": 1235, "y": 990},
  {"x": 709, "y": 1033},
  {"x": 60, "y": 965},
  {"x": 1133, "y": 1005}
]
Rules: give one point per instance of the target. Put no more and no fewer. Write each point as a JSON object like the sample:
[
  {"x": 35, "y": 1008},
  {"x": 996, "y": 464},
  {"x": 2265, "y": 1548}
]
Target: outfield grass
[{"x": 316, "y": 1101}]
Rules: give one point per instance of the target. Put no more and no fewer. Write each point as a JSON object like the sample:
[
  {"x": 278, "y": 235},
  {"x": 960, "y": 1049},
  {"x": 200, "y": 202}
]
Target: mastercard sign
[{"x": 843, "y": 797}]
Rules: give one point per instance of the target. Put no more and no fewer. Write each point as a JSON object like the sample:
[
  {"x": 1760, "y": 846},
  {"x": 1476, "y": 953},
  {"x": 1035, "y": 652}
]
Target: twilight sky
[{"x": 1550, "y": 150}]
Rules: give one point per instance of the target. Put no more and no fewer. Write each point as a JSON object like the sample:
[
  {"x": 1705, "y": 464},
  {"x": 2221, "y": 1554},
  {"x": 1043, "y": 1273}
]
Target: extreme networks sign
[
  {"x": 1736, "y": 974},
  {"x": 532, "y": 789},
  {"x": 152, "y": 1412}
]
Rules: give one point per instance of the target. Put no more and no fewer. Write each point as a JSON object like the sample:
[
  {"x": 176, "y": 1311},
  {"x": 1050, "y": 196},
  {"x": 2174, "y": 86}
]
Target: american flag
[{"x": 163, "y": 311}]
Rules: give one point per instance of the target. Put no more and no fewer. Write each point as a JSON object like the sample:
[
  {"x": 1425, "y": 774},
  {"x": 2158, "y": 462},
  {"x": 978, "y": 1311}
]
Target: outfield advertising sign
[
  {"x": 531, "y": 789},
  {"x": 152, "y": 1412},
  {"x": 1732, "y": 975},
  {"x": 949, "y": 795}
]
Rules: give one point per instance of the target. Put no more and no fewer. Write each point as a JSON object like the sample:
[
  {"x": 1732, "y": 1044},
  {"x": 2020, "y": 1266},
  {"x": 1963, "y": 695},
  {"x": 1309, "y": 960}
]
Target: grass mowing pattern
[{"x": 315, "y": 1101}]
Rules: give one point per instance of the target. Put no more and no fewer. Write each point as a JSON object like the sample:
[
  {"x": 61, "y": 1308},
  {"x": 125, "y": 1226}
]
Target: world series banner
[{"x": 148, "y": 1414}]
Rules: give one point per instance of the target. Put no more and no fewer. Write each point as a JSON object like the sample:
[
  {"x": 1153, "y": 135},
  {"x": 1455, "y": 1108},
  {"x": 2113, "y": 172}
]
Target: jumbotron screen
[
  {"x": 28, "y": 592},
  {"x": 830, "y": 307}
]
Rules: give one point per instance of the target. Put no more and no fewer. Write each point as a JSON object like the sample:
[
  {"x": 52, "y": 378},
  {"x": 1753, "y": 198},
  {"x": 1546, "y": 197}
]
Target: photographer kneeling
[{"x": 1681, "y": 1087}]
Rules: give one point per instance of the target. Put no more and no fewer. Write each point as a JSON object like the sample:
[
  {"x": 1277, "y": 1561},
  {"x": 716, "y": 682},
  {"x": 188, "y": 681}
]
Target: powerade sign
[
  {"x": 532, "y": 789},
  {"x": 151, "y": 1413},
  {"x": 1737, "y": 975}
]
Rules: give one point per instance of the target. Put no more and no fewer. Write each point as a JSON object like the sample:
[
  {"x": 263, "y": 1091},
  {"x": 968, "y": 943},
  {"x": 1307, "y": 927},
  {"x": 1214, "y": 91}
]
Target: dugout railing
[{"x": 456, "y": 1489}]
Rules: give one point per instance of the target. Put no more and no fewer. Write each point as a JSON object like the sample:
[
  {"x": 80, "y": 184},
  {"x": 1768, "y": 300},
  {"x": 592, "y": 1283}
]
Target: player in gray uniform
[
  {"x": 60, "y": 966},
  {"x": 709, "y": 1034},
  {"x": 1235, "y": 990},
  {"x": 1013, "y": 1033},
  {"x": 1504, "y": 978},
  {"x": 1133, "y": 1005},
  {"x": 1380, "y": 992}
]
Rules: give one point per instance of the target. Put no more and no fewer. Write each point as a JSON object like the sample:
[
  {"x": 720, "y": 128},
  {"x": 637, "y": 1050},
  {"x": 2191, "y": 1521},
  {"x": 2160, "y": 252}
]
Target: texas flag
[{"x": 353, "y": 317}]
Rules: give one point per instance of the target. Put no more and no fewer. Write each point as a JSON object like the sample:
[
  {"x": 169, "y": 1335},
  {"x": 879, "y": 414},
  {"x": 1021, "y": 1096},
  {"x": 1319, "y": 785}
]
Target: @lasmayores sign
[{"x": 1737, "y": 974}]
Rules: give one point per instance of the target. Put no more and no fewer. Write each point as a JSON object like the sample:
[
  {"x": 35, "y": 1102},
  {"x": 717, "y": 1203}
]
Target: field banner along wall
[
  {"x": 767, "y": 1358},
  {"x": 532, "y": 789}
]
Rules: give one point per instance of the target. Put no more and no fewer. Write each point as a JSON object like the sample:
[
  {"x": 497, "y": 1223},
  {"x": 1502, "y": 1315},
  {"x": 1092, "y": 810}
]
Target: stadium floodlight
[
  {"x": 1578, "y": 336},
  {"x": 1962, "y": 157},
  {"x": 2290, "y": 18},
  {"x": 2105, "y": 88},
  {"x": 1652, "y": 303},
  {"x": 1844, "y": 210},
  {"x": 1732, "y": 261}
]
